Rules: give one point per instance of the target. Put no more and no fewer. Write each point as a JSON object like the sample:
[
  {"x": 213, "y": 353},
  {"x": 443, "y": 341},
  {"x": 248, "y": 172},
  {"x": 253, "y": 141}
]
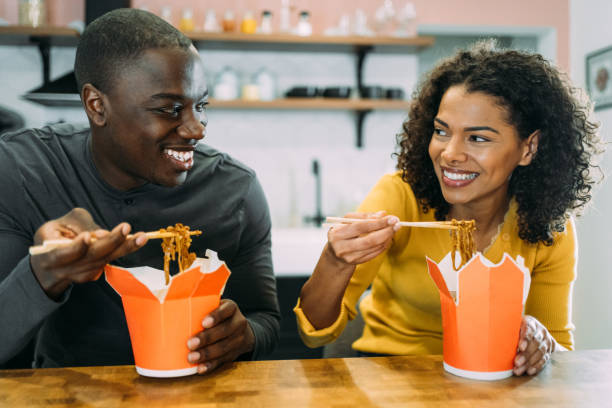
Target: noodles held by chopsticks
[
  {"x": 177, "y": 244},
  {"x": 463, "y": 240}
]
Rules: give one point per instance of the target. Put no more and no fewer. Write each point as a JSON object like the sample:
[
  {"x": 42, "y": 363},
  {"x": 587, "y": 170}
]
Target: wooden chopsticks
[
  {"x": 423, "y": 224},
  {"x": 50, "y": 244}
]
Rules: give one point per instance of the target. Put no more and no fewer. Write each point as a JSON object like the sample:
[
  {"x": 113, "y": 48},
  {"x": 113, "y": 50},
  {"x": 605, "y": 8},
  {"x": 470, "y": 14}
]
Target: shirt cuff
[{"x": 316, "y": 338}]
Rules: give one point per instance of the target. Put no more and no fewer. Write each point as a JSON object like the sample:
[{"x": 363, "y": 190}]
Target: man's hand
[
  {"x": 534, "y": 348},
  {"x": 225, "y": 337},
  {"x": 83, "y": 259}
]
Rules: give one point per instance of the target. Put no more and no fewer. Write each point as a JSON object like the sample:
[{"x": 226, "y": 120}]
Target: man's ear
[
  {"x": 95, "y": 104},
  {"x": 530, "y": 148}
]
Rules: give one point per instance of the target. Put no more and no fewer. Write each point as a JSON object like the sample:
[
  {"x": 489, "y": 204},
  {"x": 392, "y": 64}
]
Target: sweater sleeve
[
  {"x": 23, "y": 303},
  {"x": 550, "y": 294},
  {"x": 253, "y": 285},
  {"x": 394, "y": 196}
]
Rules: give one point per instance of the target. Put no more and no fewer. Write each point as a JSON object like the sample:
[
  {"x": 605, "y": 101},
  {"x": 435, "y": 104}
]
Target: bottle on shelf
[
  {"x": 166, "y": 13},
  {"x": 250, "y": 89},
  {"x": 32, "y": 12},
  {"x": 186, "y": 23},
  {"x": 383, "y": 18},
  {"x": 248, "y": 24},
  {"x": 211, "y": 25},
  {"x": 304, "y": 28},
  {"x": 266, "y": 22},
  {"x": 226, "y": 85},
  {"x": 266, "y": 83},
  {"x": 285, "y": 17},
  {"x": 406, "y": 21},
  {"x": 229, "y": 21},
  {"x": 360, "y": 27}
]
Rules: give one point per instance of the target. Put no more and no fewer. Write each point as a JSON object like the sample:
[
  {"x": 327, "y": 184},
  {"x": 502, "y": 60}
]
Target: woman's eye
[
  {"x": 440, "y": 132},
  {"x": 478, "y": 139}
]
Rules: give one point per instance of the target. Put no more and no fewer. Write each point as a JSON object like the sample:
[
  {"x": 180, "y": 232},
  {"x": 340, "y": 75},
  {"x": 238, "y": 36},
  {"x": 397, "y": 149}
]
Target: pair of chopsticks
[
  {"x": 422, "y": 224},
  {"x": 51, "y": 244}
]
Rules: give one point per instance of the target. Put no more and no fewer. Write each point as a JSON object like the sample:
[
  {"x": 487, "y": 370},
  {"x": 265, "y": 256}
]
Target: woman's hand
[
  {"x": 359, "y": 242},
  {"x": 225, "y": 337},
  {"x": 535, "y": 347}
]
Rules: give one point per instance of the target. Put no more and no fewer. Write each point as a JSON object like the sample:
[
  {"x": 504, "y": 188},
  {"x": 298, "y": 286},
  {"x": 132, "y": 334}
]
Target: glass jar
[
  {"x": 248, "y": 24},
  {"x": 32, "y": 12},
  {"x": 228, "y": 23},
  {"x": 186, "y": 22}
]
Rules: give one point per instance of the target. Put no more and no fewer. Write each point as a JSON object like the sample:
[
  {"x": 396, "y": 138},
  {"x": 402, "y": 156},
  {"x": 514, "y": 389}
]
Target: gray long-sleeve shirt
[{"x": 44, "y": 173}]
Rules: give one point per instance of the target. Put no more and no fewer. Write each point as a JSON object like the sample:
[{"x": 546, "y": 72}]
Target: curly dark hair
[{"x": 536, "y": 96}]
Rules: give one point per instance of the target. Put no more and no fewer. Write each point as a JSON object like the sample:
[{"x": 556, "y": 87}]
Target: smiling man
[{"x": 137, "y": 166}]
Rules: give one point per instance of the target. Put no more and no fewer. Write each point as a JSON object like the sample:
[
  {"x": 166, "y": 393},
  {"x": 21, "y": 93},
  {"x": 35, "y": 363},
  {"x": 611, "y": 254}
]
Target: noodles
[
  {"x": 463, "y": 241},
  {"x": 177, "y": 244}
]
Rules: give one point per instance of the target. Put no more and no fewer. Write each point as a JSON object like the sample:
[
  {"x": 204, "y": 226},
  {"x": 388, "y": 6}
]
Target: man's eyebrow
[
  {"x": 175, "y": 96},
  {"x": 167, "y": 96},
  {"x": 469, "y": 129}
]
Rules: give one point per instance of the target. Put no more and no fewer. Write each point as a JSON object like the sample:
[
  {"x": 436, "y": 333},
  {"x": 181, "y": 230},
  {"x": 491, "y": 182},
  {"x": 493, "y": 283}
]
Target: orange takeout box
[
  {"x": 481, "y": 327},
  {"x": 162, "y": 318}
]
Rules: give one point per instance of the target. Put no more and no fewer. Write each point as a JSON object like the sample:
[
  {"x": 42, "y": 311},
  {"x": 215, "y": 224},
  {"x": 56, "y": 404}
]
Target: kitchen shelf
[
  {"x": 46, "y": 36},
  {"x": 312, "y": 103},
  {"x": 317, "y": 43},
  {"x": 24, "y": 35}
]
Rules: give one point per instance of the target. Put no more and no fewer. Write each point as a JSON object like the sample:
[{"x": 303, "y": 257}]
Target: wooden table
[{"x": 572, "y": 379}]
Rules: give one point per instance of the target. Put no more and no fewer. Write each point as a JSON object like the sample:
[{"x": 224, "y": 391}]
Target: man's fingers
[
  {"x": 226, "y": 309},
  {"x": 129, "y": 246},
  {"x": 65, "y": 254}
]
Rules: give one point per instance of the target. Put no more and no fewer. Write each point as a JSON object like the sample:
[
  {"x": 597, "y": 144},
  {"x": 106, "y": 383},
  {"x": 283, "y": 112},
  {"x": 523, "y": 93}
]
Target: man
[{"x": 138, "y": 166}]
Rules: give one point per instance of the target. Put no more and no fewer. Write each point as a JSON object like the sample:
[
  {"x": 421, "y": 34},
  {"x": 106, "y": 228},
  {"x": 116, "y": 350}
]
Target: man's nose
[
  {"x": 193, "y": 126},
  {"x": 454, "y": 151}
]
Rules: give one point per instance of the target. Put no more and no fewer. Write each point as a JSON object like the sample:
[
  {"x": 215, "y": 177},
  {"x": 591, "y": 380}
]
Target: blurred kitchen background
[{"x": 319, "y": 157}]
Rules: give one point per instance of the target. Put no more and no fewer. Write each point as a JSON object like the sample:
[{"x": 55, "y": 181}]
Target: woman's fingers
[{"x": 535, "y": 347}]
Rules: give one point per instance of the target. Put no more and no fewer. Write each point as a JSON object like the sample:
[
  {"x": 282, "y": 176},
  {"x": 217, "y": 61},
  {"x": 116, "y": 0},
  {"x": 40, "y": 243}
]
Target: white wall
[{"x": 589, "y": 31}]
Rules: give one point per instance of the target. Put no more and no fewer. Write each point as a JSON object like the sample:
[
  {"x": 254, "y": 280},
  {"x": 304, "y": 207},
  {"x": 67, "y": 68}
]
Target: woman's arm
[{"x": 348, "y": 245}]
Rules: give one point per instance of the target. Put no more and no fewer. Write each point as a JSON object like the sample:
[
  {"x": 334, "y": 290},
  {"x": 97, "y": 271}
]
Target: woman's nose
[{"x": 454, "y": 151}]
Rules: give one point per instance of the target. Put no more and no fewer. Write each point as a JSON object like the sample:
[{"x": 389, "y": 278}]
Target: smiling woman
[{"x": 495, "y": 136}]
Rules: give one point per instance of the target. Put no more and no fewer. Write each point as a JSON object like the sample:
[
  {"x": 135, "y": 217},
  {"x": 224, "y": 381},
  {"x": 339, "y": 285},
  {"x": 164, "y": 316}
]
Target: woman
[{"x": 498, "y": 137}]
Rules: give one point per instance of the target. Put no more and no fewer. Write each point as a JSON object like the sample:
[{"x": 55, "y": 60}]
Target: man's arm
[
  {"x": 247, "y": 323},
  {"x": 23, "y": 303},
  {"x": 254, "y": 286},
  {"x": 39, "y": 284}
]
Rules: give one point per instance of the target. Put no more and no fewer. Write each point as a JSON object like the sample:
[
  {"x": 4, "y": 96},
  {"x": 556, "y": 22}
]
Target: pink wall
[{"x": 547, "y": 13}]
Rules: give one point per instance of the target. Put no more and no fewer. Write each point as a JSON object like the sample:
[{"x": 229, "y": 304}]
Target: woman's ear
[
  {"x": 94, "y": 103},
  {"x": 530, "y": 148}
]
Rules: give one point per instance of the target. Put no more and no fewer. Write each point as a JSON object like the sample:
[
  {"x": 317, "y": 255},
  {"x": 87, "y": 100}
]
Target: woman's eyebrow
[
  {"x": 477, "y": 128},
  {"x": 441, "y": 122}
]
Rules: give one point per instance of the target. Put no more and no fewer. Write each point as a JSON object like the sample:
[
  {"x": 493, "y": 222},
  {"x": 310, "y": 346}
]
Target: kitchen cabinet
[{"x": 360, "y": 46}]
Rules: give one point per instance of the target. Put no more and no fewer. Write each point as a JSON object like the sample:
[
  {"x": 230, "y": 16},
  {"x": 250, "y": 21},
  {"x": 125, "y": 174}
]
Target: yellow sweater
[{"x": 402, "y": 313}]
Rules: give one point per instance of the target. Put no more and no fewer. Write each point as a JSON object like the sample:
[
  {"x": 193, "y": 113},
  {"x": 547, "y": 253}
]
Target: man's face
[{"x": 155, "y": 114}]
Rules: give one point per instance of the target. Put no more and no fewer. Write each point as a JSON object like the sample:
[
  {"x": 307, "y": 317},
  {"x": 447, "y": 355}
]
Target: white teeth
[
  {"x": 180, "y": 156},
  {"x": 460, "y": 176}
]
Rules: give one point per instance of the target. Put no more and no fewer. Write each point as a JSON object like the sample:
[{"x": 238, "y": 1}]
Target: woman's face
[{"x": 474, "y": 149}]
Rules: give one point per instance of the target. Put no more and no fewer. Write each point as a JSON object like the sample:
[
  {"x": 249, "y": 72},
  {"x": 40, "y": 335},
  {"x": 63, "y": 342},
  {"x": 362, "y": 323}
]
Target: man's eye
[
  {"x": 171, "y": 110},
  {"x": 201, "y": 107}
]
